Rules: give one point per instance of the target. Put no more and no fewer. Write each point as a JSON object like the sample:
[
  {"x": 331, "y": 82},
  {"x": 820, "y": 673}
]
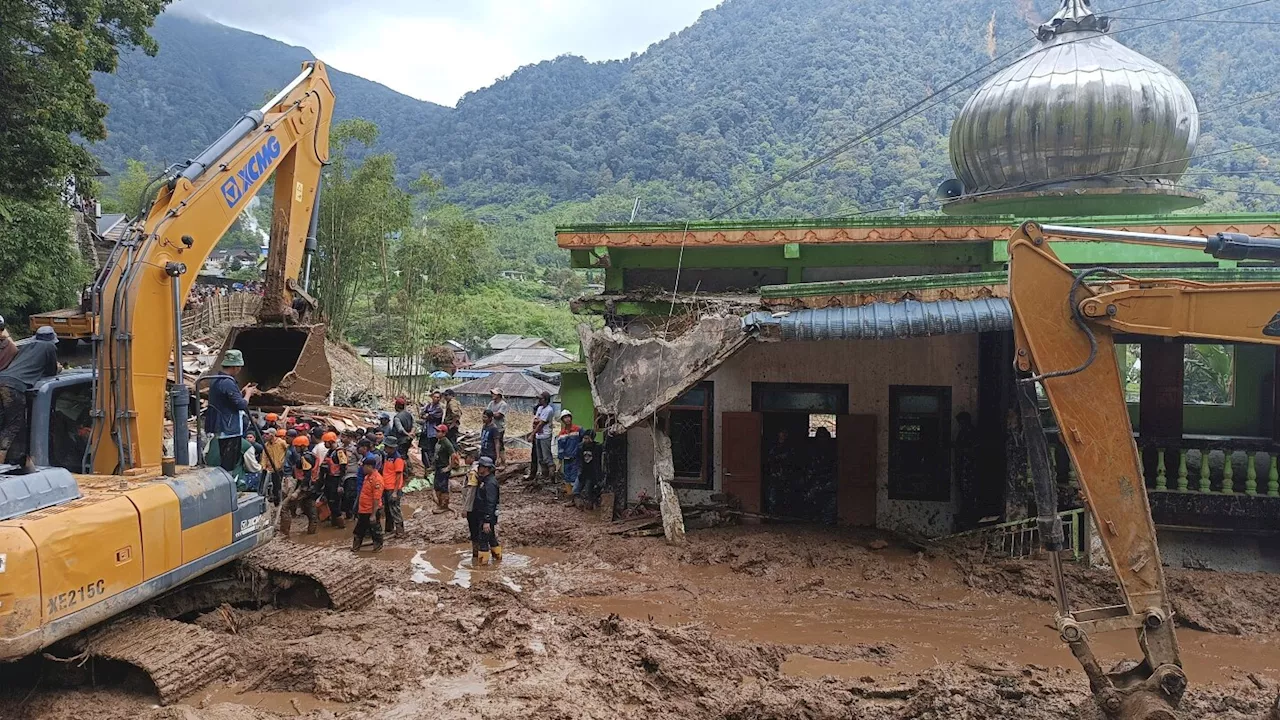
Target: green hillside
[{"x": 752, "y": 90}]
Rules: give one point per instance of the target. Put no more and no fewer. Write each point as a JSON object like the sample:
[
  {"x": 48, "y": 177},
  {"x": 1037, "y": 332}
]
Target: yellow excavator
[
  {"x": 1064, "y": 321},
  {"x": 97, "y": 529}
]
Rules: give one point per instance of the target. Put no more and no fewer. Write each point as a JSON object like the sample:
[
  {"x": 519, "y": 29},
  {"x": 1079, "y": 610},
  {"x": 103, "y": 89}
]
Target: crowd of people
[{"x": 315, "y": 471}]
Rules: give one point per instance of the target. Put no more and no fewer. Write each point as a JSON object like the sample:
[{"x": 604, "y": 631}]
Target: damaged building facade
[{"x": 860, "y": 373}]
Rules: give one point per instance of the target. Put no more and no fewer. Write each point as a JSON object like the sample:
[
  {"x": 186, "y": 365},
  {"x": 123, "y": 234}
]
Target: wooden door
[
  {"x": 856, "y": 469},
  {"x": 740, "y": 457}
]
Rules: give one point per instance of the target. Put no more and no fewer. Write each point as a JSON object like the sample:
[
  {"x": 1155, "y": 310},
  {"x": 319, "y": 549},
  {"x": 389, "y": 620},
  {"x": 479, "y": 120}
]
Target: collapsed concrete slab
[{"x": 632, "y": 378}]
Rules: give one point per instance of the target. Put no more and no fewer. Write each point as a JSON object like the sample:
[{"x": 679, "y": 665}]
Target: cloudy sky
[{"x": 438, "y": 50}]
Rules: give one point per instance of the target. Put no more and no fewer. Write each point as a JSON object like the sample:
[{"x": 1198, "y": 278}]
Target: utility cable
[
  {"x": 915, "y": 109},
  {"x": 1220, "y": 108}
]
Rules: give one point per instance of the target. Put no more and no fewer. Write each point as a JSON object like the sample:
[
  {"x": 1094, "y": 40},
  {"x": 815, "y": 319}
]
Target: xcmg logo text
[{"x": 258, "y": 164}]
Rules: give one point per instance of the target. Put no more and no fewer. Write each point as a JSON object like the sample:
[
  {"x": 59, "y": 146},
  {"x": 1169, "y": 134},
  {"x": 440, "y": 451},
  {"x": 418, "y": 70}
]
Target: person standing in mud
[
  {"x": 393, "y": 469},
  {"x": 335, "y": 467},
  {"x": 498, "y": 406},
  {"x": 432, "y": 416},
  {"x": 592, "y": 463},
  {"x": 489, "y": 435},
  {"x": 402, "y": 426},
  {"x": 273, "y": 455},
  {"x": 540, "y": 460},
  {"x": 486, "y": 512},
  {"x": 303, "y": 496},
  {"x": 369, "y": 503},
  {"x": 568, "y": 444},
  {"x": 452, "y": 415},
  {"x": 441, "y": 464}
]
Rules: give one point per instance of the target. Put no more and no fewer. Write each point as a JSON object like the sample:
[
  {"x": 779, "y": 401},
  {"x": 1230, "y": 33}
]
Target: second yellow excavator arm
[
  {"x": 1064, "y": 323},
  {"x": 139, "y": 295}
]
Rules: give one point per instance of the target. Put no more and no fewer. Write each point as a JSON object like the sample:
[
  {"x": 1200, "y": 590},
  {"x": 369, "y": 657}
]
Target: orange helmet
[
  {"x": 281, "y": 432},
  {"x": 330, "y": 437},
  {"x": 302, "y": 441},
  {"x": 272, "y": 417}
]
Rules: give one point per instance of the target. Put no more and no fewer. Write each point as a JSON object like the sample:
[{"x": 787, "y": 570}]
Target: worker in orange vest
[
  {"x": 368, "y": 504},
  {"x": 393, "y": 470}
]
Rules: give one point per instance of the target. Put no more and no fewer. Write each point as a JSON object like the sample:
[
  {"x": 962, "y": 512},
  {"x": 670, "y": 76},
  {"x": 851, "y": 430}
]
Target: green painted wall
[
  {"x": 1254, "y": 363},
  {"x": 575, "y": 396}
]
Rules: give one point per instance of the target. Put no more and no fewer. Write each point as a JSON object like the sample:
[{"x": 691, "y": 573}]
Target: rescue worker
[
  {"x": 402, "y": 426},
  {"x": 393, "y": 469},
  {"x": 303, "y": 496},
  {"x": 335, "y": 468},
  {"x": 568, "y": 443},
  {"x": 486, "y": 512},
  {"x": 273, "y": 455},
  {"x": 34, "y": 362},
  {"x": 226, "y": 413},
  {"x": 369, "y": 503},
  {"x": 432, "y": 416},
  {"x": 498, "y": 406},
  {"x": 352, "y": 488},
  {"x": 8, "y": 348},
  {"x": 441, "y": 464},
  {"x": 452, "y": 415},
  {"x": 540, "y": 459}
]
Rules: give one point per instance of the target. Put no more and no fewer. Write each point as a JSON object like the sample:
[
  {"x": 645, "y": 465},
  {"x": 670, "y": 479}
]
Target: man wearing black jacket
[{"x": 485, "y": 512}]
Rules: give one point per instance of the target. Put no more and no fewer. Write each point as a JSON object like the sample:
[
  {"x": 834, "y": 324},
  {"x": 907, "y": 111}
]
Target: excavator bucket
[{"x": 286, "y": 362}]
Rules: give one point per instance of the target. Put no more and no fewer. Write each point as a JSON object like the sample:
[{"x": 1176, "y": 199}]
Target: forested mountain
[{"x": 752, "y": 90}]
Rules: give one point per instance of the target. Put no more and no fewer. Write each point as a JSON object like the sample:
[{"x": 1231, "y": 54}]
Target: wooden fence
[{"x": 215, "y": 313}]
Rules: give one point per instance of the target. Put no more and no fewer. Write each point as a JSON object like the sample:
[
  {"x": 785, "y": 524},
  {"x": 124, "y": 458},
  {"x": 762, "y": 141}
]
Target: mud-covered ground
[{"x": 742, "y": 623}]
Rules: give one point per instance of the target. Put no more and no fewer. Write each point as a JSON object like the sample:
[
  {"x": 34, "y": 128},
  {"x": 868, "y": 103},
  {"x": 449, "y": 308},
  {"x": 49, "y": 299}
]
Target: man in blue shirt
[{"x": 227, "y": 412}]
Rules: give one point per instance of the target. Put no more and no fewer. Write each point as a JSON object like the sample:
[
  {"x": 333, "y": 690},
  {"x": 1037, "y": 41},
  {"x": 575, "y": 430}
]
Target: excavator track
[
  {"x": 180, "y": 658},
  {"x": 345, "y": 580}
]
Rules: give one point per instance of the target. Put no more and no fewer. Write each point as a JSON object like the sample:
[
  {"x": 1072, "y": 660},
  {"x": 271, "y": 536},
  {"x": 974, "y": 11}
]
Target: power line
[
  {"x": 876, "y": 131},
  {"x": 914, "y": 110},
  {"x": 1242, "y": 102},
  {"x": 1138, "y": 5},
  {"x": 1197, "y": 20}
]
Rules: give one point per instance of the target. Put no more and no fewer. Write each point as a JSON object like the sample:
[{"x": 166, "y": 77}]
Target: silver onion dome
[{"x": 1079, "y": 125}]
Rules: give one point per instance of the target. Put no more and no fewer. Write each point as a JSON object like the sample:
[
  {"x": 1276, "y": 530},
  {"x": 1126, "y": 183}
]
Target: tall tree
[
  {"x": 48, "y": 50},
  {"x": 360, "y": 209}
]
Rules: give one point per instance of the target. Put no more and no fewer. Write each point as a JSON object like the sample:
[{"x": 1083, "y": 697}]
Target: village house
[{"x": 807, "y": 329}]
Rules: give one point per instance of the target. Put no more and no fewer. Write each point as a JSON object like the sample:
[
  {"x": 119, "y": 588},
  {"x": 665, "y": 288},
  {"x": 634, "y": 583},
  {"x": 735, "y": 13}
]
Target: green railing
[
  {"x": 1193, "y": 464},
  {"x": 1021, "y": 538}
]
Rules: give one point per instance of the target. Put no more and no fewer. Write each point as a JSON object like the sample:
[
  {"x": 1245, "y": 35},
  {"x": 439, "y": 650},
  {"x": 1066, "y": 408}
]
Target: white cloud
[{"x": 438, "y": 50}]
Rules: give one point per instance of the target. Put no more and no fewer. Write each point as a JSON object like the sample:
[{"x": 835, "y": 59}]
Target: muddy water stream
[{"x": 892, "y": 627}]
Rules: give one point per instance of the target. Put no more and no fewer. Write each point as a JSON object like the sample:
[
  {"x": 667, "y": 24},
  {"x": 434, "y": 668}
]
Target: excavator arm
[
  {"x": 1064, "y": 326},
  {"x": 139, "y": 295}
]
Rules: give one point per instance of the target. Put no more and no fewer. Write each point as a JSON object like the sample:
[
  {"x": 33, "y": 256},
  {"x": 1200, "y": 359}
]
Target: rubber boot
[
  {"x": 356, "y": 542},
  {"x": 286, "y": 524},
  {"x": 482, "y": 558},
  {"x": 339, "y": 522},
  {"x": 475, "y": 551},
  {"x": 566, "y": 490},
  {"x": 377, "y": 547},
  {"x": 313, "y": 525},
  {"x": 496, "y": 551}
]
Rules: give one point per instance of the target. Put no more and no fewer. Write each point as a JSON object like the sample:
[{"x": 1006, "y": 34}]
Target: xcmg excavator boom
[
  {"x": 1064, "y": 323},
  {"x": 78, "y": 552}
]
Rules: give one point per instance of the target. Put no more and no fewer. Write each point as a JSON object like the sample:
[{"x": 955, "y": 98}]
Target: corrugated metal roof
[
  {"x": 522, "y": 358},
  {"x": 887, "y": 321},
  {"x": 512, "y": 385},
  {"x": 502, "y": 342}
]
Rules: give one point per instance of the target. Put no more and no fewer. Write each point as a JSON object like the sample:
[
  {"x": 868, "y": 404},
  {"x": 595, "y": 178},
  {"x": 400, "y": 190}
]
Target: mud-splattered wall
[{"x": 869, "y": 368}]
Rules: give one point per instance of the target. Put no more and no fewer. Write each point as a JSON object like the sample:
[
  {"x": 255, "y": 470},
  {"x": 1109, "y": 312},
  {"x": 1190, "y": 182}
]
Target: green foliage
[
  {"x": 42, "y": 268},
  {"x": 1209, "y": 375},
  {"x": 48, "y": 51},
  {"x": 361, "y": 207},
  {"x": 129, "y": 193},
  {"x": 699, "y": 121}
]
